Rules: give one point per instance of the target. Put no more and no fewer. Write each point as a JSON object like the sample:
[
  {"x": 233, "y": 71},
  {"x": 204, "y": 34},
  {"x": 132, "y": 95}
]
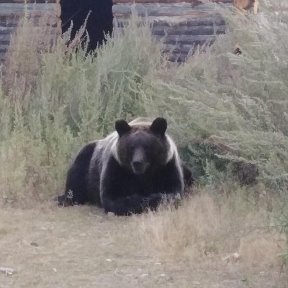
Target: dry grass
[
  {"x": 193, "y": 246},
  {"x": 33, "y": 37},
  {"x": 205, "y": 227}
]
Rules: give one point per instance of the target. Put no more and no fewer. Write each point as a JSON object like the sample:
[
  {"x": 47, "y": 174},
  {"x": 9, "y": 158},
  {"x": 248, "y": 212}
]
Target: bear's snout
[
  {"x": 139, "y": 162},
  {"x": 138, "y": 167}
]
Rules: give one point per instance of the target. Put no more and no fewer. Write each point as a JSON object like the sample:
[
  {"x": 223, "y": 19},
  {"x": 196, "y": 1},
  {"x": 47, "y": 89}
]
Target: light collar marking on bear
[
  {"x": 113, "y": 137},
  {"x": 172, "y": 149},
  {"x": 142, "y": 121}
]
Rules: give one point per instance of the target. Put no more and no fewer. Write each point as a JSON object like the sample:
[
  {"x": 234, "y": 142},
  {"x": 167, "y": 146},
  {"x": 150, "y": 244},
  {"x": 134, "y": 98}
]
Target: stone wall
[
  {"x": 10, "y": 13},
  {"x": 181, "y": 26}
]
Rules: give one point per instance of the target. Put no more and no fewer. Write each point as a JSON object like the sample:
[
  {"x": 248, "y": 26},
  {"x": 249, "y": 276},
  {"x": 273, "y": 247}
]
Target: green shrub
[{"x": 227, "y": 112}]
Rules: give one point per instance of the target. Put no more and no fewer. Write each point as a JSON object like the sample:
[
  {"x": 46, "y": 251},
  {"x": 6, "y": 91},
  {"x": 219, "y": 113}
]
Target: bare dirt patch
[{"x": 83, "y": 247}]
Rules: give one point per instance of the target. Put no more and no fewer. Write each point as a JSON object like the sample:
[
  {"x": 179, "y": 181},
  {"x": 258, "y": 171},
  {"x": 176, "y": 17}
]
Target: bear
[
  {"x": 99, "y": 21},
  {"x": 130, "y": 171}
]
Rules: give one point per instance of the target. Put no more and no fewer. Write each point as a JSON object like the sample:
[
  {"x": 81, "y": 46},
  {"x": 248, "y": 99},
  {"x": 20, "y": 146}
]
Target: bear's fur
[
  {"x": 100, "y": 20},
  {"x": 129, "y": 171}
]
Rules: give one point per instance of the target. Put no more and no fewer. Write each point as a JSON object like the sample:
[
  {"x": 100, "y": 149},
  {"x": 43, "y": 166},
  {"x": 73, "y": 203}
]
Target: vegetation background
[{"x": 228, "y": 115}]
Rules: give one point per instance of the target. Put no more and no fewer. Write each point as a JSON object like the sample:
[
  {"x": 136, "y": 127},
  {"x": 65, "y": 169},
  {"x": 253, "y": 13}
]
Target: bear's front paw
[{"x": 153, "y": 201}]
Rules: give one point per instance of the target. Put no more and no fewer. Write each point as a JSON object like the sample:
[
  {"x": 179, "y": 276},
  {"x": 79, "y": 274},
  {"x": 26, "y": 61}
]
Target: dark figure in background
[{"x": 100, "y": 20}]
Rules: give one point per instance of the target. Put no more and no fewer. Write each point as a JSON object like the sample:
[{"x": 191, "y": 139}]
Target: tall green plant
[
  {"x": 230, "y": 110},
  {"x": 226, "y": 112},
  {"x": 71, "y": 99}
]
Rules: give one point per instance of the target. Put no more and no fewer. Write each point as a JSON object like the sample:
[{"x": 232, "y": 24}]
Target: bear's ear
[
  {"x": 159, "y": 126},
  {"x": 122, "y": 127}
]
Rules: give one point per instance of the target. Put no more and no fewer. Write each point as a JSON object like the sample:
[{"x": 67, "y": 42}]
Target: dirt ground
[{"x": 83, "y": 247}]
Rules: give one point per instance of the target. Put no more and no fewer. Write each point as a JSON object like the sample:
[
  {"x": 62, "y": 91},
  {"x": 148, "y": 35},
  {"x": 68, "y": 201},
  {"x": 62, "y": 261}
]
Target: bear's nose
[{"x": 137, "y": 165}]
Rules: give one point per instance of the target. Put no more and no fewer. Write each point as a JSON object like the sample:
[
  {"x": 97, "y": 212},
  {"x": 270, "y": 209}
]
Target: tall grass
[
  {"x": 232, "y": 108},
  {"x": 57, "y": 99},
  {"x": 228, "y": 113},
  {"x": 208, "y": 228}
]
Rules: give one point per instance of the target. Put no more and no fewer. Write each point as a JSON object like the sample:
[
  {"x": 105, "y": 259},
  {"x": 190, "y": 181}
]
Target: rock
[
  {"x": 232, "y": 258},
  {"x": 7, "y": 271}
]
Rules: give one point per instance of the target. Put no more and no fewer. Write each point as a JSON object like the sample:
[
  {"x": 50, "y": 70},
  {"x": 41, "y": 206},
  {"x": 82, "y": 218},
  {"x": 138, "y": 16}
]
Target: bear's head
[{"x": 142, "y": 147}]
